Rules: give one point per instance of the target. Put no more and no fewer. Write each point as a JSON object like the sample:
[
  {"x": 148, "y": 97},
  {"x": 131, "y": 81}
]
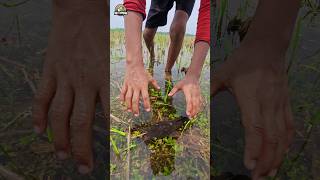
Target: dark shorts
[{"x": 159, "y": 9}]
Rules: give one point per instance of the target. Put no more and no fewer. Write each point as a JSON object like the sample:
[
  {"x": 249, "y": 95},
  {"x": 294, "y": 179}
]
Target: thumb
[
  {"x": 155, "y": 84},
  {"x": 174, "y": 90},
  {"x": 216, "y": 86}
]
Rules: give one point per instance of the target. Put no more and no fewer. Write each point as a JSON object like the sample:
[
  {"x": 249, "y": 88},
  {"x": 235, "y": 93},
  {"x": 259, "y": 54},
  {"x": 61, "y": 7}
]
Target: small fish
[{"x": 161, "y": 129}]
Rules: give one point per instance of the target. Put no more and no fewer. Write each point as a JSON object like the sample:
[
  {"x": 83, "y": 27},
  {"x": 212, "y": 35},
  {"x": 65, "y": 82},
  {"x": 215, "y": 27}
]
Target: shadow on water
[{"x": 165, "y": 144}]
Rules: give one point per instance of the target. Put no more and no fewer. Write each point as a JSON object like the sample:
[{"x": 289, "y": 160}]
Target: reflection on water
[{"x": 164, "y": 143}]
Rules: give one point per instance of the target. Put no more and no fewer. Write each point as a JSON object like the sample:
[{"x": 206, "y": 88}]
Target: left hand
[{"x": 191, "y": 89}]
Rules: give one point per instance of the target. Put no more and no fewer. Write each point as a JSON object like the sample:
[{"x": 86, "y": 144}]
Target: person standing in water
[{"x": 136, "y": 77}]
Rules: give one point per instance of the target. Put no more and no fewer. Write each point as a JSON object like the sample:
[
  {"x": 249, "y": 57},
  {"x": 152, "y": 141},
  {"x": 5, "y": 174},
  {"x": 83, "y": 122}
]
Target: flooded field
[{"x": 164, "y": 143}]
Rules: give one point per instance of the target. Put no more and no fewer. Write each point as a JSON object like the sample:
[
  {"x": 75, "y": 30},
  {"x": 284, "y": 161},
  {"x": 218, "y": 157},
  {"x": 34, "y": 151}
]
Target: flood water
[{"x": 180, "y": 153}]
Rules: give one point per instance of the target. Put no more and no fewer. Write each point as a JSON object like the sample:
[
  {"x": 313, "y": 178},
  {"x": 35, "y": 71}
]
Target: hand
[
  {"x": 136, "y": 82},
  {"x": 256, "y": 76},
  {"x": 191, "y": 89},
  {"x": 73, "y": 80}
]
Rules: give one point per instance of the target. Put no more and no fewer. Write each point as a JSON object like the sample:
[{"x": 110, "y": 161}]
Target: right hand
[
  {"x": 256, "y": 76},
  {"x": 136, "y": 82}
]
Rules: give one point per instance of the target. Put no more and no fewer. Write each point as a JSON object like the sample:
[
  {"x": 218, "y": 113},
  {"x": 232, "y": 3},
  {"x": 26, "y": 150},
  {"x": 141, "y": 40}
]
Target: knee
[
  {"x": 147, "y": 36},
  {"x": 177, "y": 30}
]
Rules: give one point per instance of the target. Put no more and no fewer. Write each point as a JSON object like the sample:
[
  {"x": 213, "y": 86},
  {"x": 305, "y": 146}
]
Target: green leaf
[
  {"x": 118, "y": 132},
  {"x": 114, "y": 147}
]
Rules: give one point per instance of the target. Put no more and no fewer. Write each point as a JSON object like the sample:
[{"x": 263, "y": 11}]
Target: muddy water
[{"x": 178, "y": 154}]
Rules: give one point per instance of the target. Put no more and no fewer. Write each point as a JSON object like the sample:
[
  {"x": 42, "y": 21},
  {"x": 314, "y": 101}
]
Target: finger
[
  {"x": 82, "y": 120},
  {"x": 198, "y": 107},
  {"x": 59, "y": 118},
  {"x": 199, "y": 104},
  {"x": 155, "y": 84},
  {"x": 189, "y": 104},
  {"x": 253, "y": 145},
  {"x": 282, "y": 141},
  {"x": 123, "y": 93},
  {"x": 270, "y": 137},
  {"x": 195, "y": 105},
  {"x": 264, "y": 164},
  {"x": 216, "y": 85},
  {"x": 270, "y": 115},
  {"x": 135, "y": 102},
  {"x": 128, "y": 98},
  {"x": 174, "y": 90},
  {"x": 146, "y": 99},
  {"x": 42, "y": 102},
  {"x": 253, "y": 129}
]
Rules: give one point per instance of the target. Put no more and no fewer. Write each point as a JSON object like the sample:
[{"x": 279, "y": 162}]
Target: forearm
[
  {"x": 273, "y": 23},
  {"x": 133, "y": 31},
  {"x": 199, "y": 55}
]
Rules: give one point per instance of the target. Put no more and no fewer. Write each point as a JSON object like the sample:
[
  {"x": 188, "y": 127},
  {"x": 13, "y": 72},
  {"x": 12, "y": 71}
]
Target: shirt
[{"x": 203, "y": 24}]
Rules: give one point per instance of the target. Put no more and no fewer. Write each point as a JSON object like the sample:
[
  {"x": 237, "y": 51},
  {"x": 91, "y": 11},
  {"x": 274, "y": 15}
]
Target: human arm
[
  {"x": 190, "y": 84},
  {"x": 136, "y": 78},
  {"x": 256, "y": 75}
]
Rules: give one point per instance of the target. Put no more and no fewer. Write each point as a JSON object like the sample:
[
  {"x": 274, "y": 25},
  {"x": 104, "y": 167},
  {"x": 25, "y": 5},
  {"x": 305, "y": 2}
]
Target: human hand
[
  {"x": 256, "y": 75},
  {"x": 73, "y": 80},
  {"x": 135, "y": 84},
  {"x": 191, "y": 89}
]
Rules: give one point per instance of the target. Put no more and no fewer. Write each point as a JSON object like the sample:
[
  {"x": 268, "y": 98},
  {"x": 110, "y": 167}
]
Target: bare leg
[
  {"x": 148, "y": 36},
  {"x": 177, "y": 31}
]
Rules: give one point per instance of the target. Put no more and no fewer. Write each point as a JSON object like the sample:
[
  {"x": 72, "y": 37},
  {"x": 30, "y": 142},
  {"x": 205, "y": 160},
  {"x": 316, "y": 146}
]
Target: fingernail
[
  {"x": 148, "y": 110},
  {"x": 272, "y": 173},
  {"x": 136, "y": 115},
  {"x": 129, "y": 110},
  {"x": 37, "y": 129},
  {"x": 61, "y": 155},
  {"x": 83, "y": 169},
  {"x": 251, "y": 164}
]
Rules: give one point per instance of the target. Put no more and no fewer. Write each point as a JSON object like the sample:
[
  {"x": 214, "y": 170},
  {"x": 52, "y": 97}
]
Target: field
[{"x": 183, "y": 153}]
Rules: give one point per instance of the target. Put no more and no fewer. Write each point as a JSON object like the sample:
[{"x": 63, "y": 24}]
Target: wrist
[
  {"x": 272, "y": 46},
  {"x": 134, "y": 62},
  {"x": 193, "y": 75}
]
